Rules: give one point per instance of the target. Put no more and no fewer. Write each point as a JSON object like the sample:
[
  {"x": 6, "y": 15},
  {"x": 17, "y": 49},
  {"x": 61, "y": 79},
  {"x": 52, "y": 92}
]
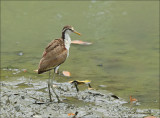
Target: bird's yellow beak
[{"x": 77, "y": 32}]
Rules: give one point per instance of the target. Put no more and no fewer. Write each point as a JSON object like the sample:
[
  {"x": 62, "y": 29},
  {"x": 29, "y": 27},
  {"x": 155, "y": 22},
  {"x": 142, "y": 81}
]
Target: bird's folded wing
[{"x": 54, "y": 54}]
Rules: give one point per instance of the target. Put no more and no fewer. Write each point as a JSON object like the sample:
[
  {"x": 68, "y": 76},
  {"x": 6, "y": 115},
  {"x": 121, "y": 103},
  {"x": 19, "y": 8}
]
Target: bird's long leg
[
  {"x": 49, "y": 87},
  {"x": 53, "y": 88}
]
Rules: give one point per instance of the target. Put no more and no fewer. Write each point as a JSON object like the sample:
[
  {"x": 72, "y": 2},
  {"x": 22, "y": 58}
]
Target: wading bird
[{"x": 55, "y": 54}]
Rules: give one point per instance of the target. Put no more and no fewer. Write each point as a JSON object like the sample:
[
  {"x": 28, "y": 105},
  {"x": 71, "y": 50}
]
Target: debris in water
[
  {"x": 20, "y": 53},
  {"x": 66, "y": 73},
  {"x": 99, "y": 64},
  {"x": 24, "y": 70},
  {"x": 79, "y": 42},
  {"x": 132, "y": 99}
]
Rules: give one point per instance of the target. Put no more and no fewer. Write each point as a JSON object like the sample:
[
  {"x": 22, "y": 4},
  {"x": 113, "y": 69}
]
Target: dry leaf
[
  {"x": 80, "y": 42},
  {"x": 69, "y": 114},
  {"x": 24, "y": 70},
  {"x": 90, "y": 88},
  {"x": 132, "y": 99},
  {"x": 66, "y": 73}
]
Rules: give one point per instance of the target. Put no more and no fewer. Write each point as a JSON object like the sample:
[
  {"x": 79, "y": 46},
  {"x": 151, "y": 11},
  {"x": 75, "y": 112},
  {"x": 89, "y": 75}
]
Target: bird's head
[{"x": 69, "y": 29}]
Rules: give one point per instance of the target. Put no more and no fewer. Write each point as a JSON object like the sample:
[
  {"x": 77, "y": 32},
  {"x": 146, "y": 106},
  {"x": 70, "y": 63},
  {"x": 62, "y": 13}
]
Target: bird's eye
[{"x": 71, "y": 30}]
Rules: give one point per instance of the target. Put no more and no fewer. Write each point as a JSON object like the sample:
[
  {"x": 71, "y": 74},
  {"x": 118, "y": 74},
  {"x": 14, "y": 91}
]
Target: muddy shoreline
[{"x": 33, "y": 101}]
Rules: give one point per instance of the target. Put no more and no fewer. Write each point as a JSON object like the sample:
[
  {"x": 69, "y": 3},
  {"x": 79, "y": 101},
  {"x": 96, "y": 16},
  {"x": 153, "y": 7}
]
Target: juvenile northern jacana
[{"x": 55, "y": 54}]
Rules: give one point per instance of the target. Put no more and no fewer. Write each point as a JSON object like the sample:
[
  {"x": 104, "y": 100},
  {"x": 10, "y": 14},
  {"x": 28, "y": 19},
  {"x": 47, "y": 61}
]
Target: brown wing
[{"x": 55, "y": 54}]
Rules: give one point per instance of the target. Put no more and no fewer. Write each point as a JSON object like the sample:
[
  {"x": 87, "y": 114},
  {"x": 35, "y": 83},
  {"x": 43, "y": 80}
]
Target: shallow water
[{"x": 124, "y": 54}]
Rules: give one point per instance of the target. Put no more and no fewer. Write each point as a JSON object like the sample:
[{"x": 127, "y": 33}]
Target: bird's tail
[{"x": 42, "y": 71}]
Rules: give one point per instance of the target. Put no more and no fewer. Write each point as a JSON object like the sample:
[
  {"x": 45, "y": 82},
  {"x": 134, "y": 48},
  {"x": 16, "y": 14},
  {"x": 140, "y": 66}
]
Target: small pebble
[
  {"x": 22, "y": 97},
  {"x": 100, "y": 65},
  {"x": 17, "y": 108},
  {"x": 20, "y": 53}
]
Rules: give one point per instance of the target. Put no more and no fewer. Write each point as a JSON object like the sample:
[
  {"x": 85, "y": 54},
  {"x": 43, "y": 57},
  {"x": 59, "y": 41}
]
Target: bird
[{"x": 56, "y": 54}]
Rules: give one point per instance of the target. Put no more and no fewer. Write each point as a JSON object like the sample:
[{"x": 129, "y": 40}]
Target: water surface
[{"x": 124, "y": 54}]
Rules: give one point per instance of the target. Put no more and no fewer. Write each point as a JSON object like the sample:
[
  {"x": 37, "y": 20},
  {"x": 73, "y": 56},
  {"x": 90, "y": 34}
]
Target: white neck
[{"x": 67, "y": 41}]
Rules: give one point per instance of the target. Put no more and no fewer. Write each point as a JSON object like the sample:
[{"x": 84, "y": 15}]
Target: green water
[{"x": 125, "y": 37}]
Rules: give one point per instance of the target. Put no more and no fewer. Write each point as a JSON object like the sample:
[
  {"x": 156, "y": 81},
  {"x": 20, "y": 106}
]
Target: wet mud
[{"x": 25, "y": 98}]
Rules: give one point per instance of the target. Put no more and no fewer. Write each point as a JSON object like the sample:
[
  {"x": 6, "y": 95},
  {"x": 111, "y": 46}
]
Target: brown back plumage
[{"x": 55, "y": 54}]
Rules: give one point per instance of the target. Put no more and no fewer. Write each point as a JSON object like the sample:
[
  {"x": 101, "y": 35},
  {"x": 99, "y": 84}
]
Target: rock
[
  {"x": 88, "y": 103},
  {"x": 17, "y": 108}
]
